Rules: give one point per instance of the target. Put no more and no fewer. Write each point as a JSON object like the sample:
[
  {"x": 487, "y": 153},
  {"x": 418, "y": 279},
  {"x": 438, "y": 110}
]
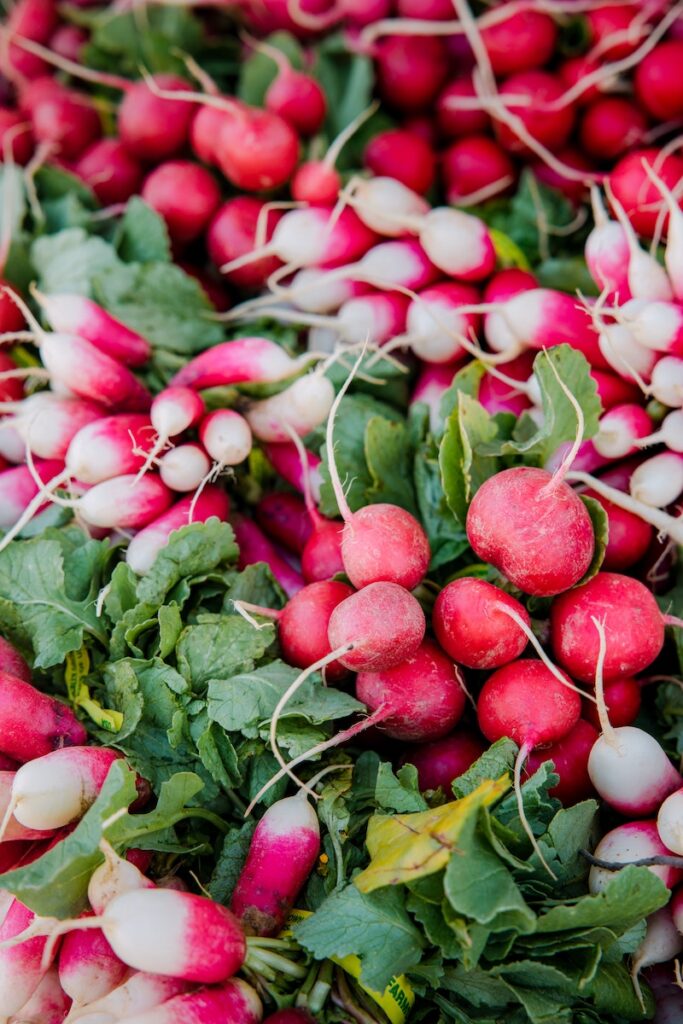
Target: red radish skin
[
  {"x": 633, "y": 623},
  {"x": 525, "y": 701},
  {"x": 424, "y": 694},
  {"x": 497, "y": 395},
  {"x": 628, "y": 538},
  {"x": 18, "y": 488},
  {"x": 410, "y": 70},
  {"x": 384, "y": 543},
  {"x": 622, "y": 700},
  {"x": 283, "y": 517},
  {"x": 233, "y": 1001},
  {"x": 49, "y": 1004},
  {"x": 67, "y": 121},
  {"x": 442, "y": 761},
  {"x": 125, "y": 502},
  {"x": 457, "y": 121},
  {"x": 633, "y": 840},
  {"x": 252, "y": 360},
  {"x": 476, "y": 168},
  {"x": 257, "y": 150},
  {"x": 524, "y": 40},
  {"x": 613, "y": 31},
  {"x": 532, "y": 528},
  {"x": 551, "y": 128},
  {"x": 12, "y": 663},
  {"x": 68, "y": 41},
  {"x": 146, "y": 545},
  {"x": 255, "y": 547},
  {"x": 283, "y": 852},
  {"x": 404, "y": 156},
  {"x": 33, "y": 724},
  {"x": 298, "y": 98},
  {"x": 15, "y": 135},
  {"x": 574, "y": 70},
  {"x": 153, "y": 128},
  {"x": 232, "y": 234},
  {"x": 21, "y": 966},
  {"x": 304, "y": 622},
  {"x": 321, "y": 558},
  {"x": 75, "y": 314},
  {"x": 79, "y": 366},
  {"x": 286, "y": 461},
  {"x": 48, "y": 423},
  {"x": 632, "y": 187},
  {"x": 610, "y": 127},
  {"x": 316, "y": 182},
  {"x": 109, "y": 170},
  {"x": 88, "y": 966},
  {"x": 470, "y": 626},
  {"x": 106, "y": 448},
  {"x": 556, "y": 177},
  {"x": 384, "y": 623},
  {"x": 613, "y": 390},
  {"x": 657, "y": 81},
  {"x": 293, "y": 1015},
  {"x": 35, "y": 20},
  {"x": 185, "y": 194},
  {"x": 570, "y": 758},
  {"x": 11, "y": 388}
]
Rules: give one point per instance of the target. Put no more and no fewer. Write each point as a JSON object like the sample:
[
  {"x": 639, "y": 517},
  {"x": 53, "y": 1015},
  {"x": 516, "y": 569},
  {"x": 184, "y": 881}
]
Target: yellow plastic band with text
[{"x": 75, "y": 673}]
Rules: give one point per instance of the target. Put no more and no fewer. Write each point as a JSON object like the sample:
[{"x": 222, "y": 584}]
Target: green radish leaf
[
  {"x": 120, "y": 44},
  {"x": 230, "y": 862},
  {"x": 630, "y": 895},
  {"x": 388, "y": 456},
  {"x": 71, "y": 260},
  {"x": 494, "y": 762},
  {"x": 601, "y": 531},
  {"x": 191, "y": 552},
  {"x": 259, "y": 70},
  {"x": 464, "y": 468},
  {"x": 220, "y": 648},
  {"x": 142, "y": 235}
]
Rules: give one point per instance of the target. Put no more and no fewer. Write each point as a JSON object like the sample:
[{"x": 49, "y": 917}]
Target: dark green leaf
[{"x": 142, "y": 236}]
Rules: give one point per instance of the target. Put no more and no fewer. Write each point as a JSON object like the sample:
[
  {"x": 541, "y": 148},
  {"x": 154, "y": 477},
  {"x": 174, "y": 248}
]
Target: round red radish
[
  {"x": 532, "y": 528},
  {"x": 628, "y": 538},
  {"x": 410, "y": 70},
  {"x": 575, "y": 191},
  {"x": 424, "y": 694},
  {"x": 283, "y": 517},
  {"x": 658, "y": 81},
  {"x": 35, "y": 20},
  {"x": 11, "y": 388},
  {"x": 110, "y": 171},
  {"x": 299, "y": 99},
  {"x": 152, "y": 128},
  {"x": 384, "y": 623},
  {"x": 455, "y": 121},
  {"x": 66, "y": 120},
  {"x": 384, "y": 543},
  {"x": 441, "y": 762},
  {"x": 524, "y": 40},
  {"x": 316, "y": 182},
  {"x": 15, "y": 136},
  {"x": 257, "y": 150},
  {"x": 633, "y": 624},
  {"x": 304, "y": 622},
  {"x": 232, "y": 233},
  {"x": 574, "y": 70},
  {"x": 12, "y": 663},
  {"x": 622, "y": 699},
  {"x": 430, "y": 10},
  {"x": 205, "y": 128},
  {"x": 185, "y": 194},
  {"x": 611, "y": 126},
  {"x": 636, "y": 193},
  {"x": 68, "y": 41},
  {"x": 475, "y": 165},
  {"x": 551, "y": 128},
  {"x": 292, "y": 1015},
  {"x": 321, "y": 558},
  {"x": 404, "y": 156},
  {"x": 527, "y": 703},
  {"x": 614, "y": 30},
  {"x": 471, "y": 626},
  {"x": 570, "y": 758}
]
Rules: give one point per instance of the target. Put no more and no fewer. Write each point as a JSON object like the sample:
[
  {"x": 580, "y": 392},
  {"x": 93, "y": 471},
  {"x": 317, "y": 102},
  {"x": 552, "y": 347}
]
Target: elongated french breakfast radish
[
  {"x": 424, "y": 695},
  {"x": 58, "y": 787},
  {"x": 173, "y": 411},
  {"x": 75, "y": 314},
  {"x": 33, "y": 724},
  {"x": 88, "y": 966},
  {"x": 440, "y": 762},
  {"x": 255, "y": 547},
  {"x": 146, "y": 545},
  {"x": 183, "y": 468},
  {"x": 607, "y": 252},
  {"x": 19, "y": 489},
  {"x": 304, "y": 621},
  {"x": 434, "y": 321},
  {"x": 125, "y": 502},
  {"x": 139, "y": 992},
  {"x": 540, "y": 318},
  {"x": 634, "y": 840},
  {"x": 659, "y": 480},
  {"x": 382, "y": 203},
  {"x": 14, "y": 830},
  {"x": 48, "y": 1004},
  {"x": 288, "y": 835},
  {"x": 620, "y": 430},
  {"x": 382, "y": 624},
  {"x": 48, "y": 423},
  {"x": 235, "y": 1000},
  {"x": 655, "y": 324},
  {"x": 110, "y": 446},
  {"x": 647, "y": 279},
  {"x": 226, "y": 436},
  {"x": 286, "y": 461},
  {"x": 301, "y": 407},
  {"x": 375, "y": 318},
  {"x": 114, "y": 876},
  {"x": 21, "y": 965},
  {"x": 243, "y": 360},
  {"x": 663, "y": 941},
  {"x": 471, "y": 625}
]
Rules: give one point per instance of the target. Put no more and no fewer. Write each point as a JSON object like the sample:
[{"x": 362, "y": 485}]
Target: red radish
[
  {"x": 57, "y": 788},
  {"x": 321, "y": 558},
  {"x": 471, "y": 625},
  {"x": 68, "y": 41},
  {"x": 256, "y": 149},
  {"x": 33, "y": 724},
  {"x": 48, "y": 423},
  {"x": 75, "y": 314},
  {"x": 232, "y": 234},
  {"x": 633, "y": 624},
  {"x": 524, "y": 40},
  {"x": 476, "y": 169},
  {"x": 183, "y": 468},
  {"x": 11, "y": 388},
  {"x": 569, "y": 174},
  {"x": 615, "y": 30},
  {"x": 404, "y": 156},
  {"x": 659, "y": 480},
  {"x": 613, "y": 390},
  {"x": 620, "y": 430},
  {"x": 293, "y": 95},
  {"x": 185, "y": 194},
  {"x": 657, "y": 81},
  {"x": 455, "y": 114},
  {"x": 146, "y": 544},
  {"x": 670, "y": 822},
  {"x": 286, "y": 461},
  {"x": 108, "y": 447},
  {"x": 151, "y": 127},
  {"x": 424, "y": 695},
  {"x": 303, "y": 625},
  {"x": 235, "y": 1000},
  {"x": 140, "y": 991},
  {"x": 498, "y": 395},
  {"x": 88, "y": 966},
  {"x": 431, "y": 10},
  {"x": 284, "y": 518},
  {"x": 543, "y": 541},
  {"x": 114, "y": 876},
  {"x": 255, "y": 547},
  {"x": 36, "y": 20},
  {"x": 19, "y": 489},
  {"x": 549, "y": 127},
  {"x": 383, "y": 624},
  {"x": 570, "y": 759},
  {"x": 66, "y": 120},
  {"x": 12, "y": 663},
  {"x": 628, "y": 537},
  {"x": 15, "y": 136},
  {"x": 299, "y": 408},
  {"x": 288, "y": 835},
  {"x": 109, "y": 170},
  {"x": 439, "y": 763},
  {"x": 410, "y": 70},
  {"x": 622, "y": 700},
  {"x": 610, "y": 127},
  {"x": 527, "y": 702},
  {"x": 574, "y": 70},
  {"x": 315, "y": 182},
  {"x": 635, "y": 840},
  {"x": 21, "y": 965},
  {"x": 293, "y": 1015},
  {"x": 632, "y": 187},
  {"x": 49, "y": 1004}
]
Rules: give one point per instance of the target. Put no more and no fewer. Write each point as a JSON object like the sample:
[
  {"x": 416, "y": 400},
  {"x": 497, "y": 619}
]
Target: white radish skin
[
  {"x": 316, "y": 291},
  {"x": 632, "y": 841},
  {"x": 12, "y": 444},
  {"x": 673, "y": 253},
  {"x": 183, "y": 468},
  {"x": 631, "y": 771},
  {"x": 302, "y": 407},
  {"x": 434, "y": 322},
  {"x": 382, "y": 203},
  {"x": 670, "y": 822},
  {"x": 670, "y": 433},
  {"x": 655, "y": 325},
  {"x": 49, "y": 1004},
  {"x": 14, "y": 830},
  {"x": 113, "y": 877},
  {"x": 47, "y": 423},
  {"x": 125, "y": 502},
  {"x": 21, "y": 966},
  {"x": 647, "y": 279},
  {"x": 242, "y": 360},
  {"x": 141, "y": 991},
  {"x": 105, "y": 448},
  {"x": 235, "y": 1001},
  {"x": 607, "y": 252},
  {"x": 77, "y": 365},
  {"x": 88, "y": 966},
  {"x": 666, "y": 384},
  {"x": 620, "y": 349},
  {"x": 226, "y": 436},
  {"x": 404, "y": 263},
  {"x": 74, "y": 314},
  {"x": 659, "y": 480},
  {"x": 174, "y": 410},
  {"x": 620, "y": 429},
  {"x": 458, "y": 244},
  {"x": 146, "y": 545},
  {"x": 662, "y": 942}
]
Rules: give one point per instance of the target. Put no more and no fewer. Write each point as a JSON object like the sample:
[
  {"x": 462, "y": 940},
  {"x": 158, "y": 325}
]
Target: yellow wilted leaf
[{"x": 404, "y": 847}]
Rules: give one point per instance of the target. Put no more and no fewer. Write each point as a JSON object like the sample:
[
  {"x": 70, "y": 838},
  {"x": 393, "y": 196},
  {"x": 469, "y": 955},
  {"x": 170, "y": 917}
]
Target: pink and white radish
[
  {"x": 283, "y": 517},
  {"x": 183, "y": 468},
  {"x": 235, "y": 1000},
  {"x": 22, "y": 965},
  {"x": 110, "y": 446},
  {"x": 620, "y": 431},
  {"x": 286, "y": 460},
  {"x": 659, "y": 480},
  {"x": 623, "y": 354},
  {"x": 88, "y": 966},
  {"x": 32, "y": 724},
  {"x": 241, "y": 361},
  {"x": 669, "y": 433},
  {"x": 540, "y": 318},
  {"x": 663, "y": 941},
  {"x": 75, "y": 314},
  {"x": 666, "y": 383},
  {"x": 384, "y": 202},
  {"x": 124, "y": 502},
  {"x": 14, "y": 830},
  {"x": 631, "y": 771},
  {"x": 654, "y": 324},
  {"x": 633, "y": 841},
  {"x": 146, "y": 545},
  {"x": 173, "y": 411},
  {"x": 227, "y": 438},
  {"x": 49, "y": 1003},
  {"x": 139, "y": 992},
  {"x": 299, "y": 408},
  {"x": 48, "y": 422},
  {"x": 607, "y": 252},
  {"x": 434, "y": 323},
  {"x": 114, "y": 876}
]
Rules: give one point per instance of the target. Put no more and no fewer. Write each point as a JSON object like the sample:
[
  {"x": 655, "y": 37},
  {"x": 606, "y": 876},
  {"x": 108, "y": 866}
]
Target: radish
[
  {"x": 173, "y": 411},
  {"x": 543, "y": 120},
  {"x": 146, "y": 545},
  {"x": 123, "y": 502},
  {"x": 21, "y": 965},
  {"x": 633, "y": 841},
  {"x": 607, "y": 252},
  {"x": 379, "y": 626},
  {"x": 67, "y": 121},
  {"x": 430, "y": 675},
  {"x": 631, "y": 186},
  {"x": 527, "y": 702},
  {"x": 139, "y": 992},
  {"x": 109, "y": 446},
  {"x": 666, "y": 382},
  {"x": 376, "y": 317},
  {"x": 431, "y": 383},
  {"x": 185, "y": 195},
  {"x": 48, "y": 423},
  {"x": 498, "y": 394},
  {"x": 286, "y": 461},
  {"x": 403, "y": 156},
  {"x": 75, "y": 314},
  {"x": 620, "y": 430},
  {"x": 227, "y": 438},
  {"x": 458, "y": 110},
  {"x": 284, "y": 518},
  {"x": 633, "y": 624},
  {"x": 628, "y": 536},
  {"x": 68, "y": 41},
  {"x": 540, "y": 318},
  {"x": 19, "y": 491},
  {"x": 303, "y": 625},
  {"x": 15, "y": 136},
  {"x": 235, "y": 1000},
  {"x": 288, "y": 834},
  {"x": 292, "y": 94},
  {"x": 33, "y": 724},
  {"x": 243, "y": 360},
  {"x": 14, "y": 830},
  {"x": 440, "y": 762},
  {"x": 256, "y": 149},
  {"x": 317, "y": 181},
  {"x": 612, "y": 390},
  {"x": 183, "y": 468},
  {"x": 151, "y": 127},
  {"x": 476, "y": 169},
  {"x": 647, "y": 279},
  {"x": 610, "y": 127},
  {"x": 615, "y": 31},
  {"x": 673, "y": 254},
  {"x": 114, "y": 876},
  {"x": 470, "y": 623},
  {"x": 655, "y": 324},
  {"x": 88, "y": 966},
  {"x": 434, "y": 323},
  {"x": 410, "y": 70},
  {"x": 663, "y": 941},
  {"x": 232, "y": 234},
  {"x": 622, "y": 701},
  {"x": 109, "y": 170},
  {"x": 657, "y": 81},
  {"x": 524, "y": 40},
  {"x": 48, "y": 1004},
  {"x": 13, "y": 664},
  {"x": 659, "y": 480},
  {"x": 622, "y": 353},
  {"x": 670, "y": 433},
  {"x": 543, "y": 541},
  {"x": 35, "y": 19},
  {"x": 569, "y": 756},
  {"x": 631, "y": 772},
  {"x": 384, "y": 203},
  {"x": 57, "y": 788},
  {"x": 301, "y": 407},
  {"x": 255, "y": 547},
  {"x": 670, "y": 822}
]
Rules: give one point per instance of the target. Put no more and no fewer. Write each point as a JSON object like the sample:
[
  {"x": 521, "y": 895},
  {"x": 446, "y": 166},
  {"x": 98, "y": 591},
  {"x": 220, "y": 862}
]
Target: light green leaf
[{"x": 71, "y": 260}]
